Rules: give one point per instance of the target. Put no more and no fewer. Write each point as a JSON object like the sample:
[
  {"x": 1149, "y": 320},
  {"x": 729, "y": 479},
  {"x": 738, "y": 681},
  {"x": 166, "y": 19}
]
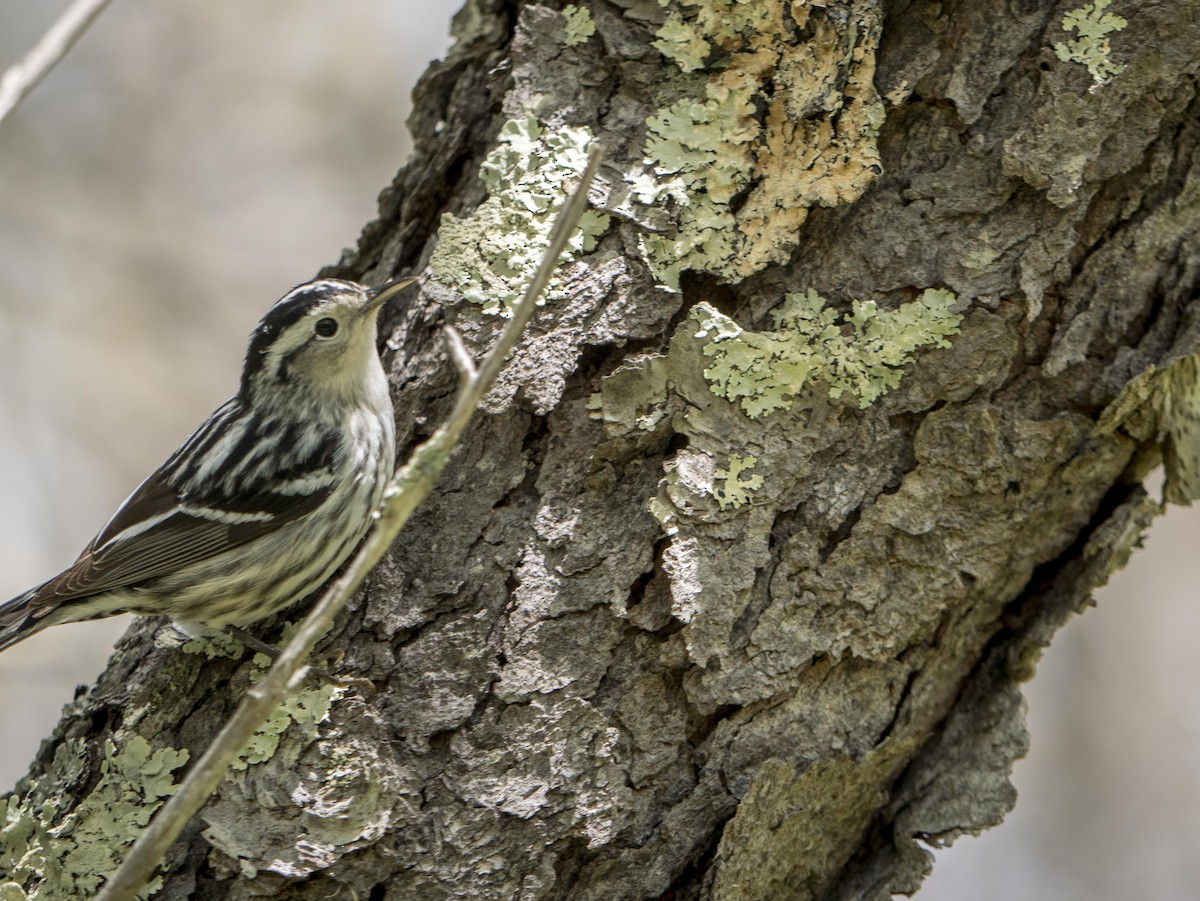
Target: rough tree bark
[{"x": 730, "y": 592}]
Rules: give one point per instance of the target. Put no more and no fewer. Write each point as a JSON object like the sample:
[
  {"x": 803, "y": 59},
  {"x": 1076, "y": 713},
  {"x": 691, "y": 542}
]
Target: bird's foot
[{"x": 261, "y": 647}]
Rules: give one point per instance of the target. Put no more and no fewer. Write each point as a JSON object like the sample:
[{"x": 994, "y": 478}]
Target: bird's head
[{"x": 319, "y": 339}]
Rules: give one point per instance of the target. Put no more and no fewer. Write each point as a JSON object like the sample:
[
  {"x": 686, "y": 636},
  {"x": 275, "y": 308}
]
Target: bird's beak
[{"x": 377, "y": 297}]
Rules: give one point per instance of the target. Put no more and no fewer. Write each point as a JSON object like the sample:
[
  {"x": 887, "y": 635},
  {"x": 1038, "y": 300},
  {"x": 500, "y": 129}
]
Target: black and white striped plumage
[{"x": 264, "y": 502}]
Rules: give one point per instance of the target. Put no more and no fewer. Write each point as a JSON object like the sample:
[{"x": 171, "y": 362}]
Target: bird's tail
[{"x": 20, "y": 618}]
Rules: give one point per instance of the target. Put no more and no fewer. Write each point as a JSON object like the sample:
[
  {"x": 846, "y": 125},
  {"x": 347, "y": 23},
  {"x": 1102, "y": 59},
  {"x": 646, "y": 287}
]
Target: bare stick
[
  {"x": 458, "y": 353},
  {"x": 21, "y": 77},
  {"x": 411, "y": 484}
]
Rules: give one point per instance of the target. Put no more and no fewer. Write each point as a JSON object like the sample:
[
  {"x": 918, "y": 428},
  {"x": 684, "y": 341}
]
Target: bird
[{"x": 259, "y": 508}]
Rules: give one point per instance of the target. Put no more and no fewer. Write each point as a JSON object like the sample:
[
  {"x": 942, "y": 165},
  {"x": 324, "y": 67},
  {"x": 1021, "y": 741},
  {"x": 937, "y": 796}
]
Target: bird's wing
[{"x": 156, "y": 531}]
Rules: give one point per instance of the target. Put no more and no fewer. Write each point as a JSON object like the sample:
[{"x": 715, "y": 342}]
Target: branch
[
  {"x": 23, "y": 76},
  {"x": 411, "y": 484}
]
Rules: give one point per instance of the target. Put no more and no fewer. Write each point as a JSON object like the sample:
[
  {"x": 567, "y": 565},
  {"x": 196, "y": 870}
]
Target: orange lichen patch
[
  {"x": 808, "y": 156},
  {"x": 789, "y": 118}
]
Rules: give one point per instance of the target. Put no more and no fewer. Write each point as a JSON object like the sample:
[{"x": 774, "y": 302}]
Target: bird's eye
[{"x": 326, "y": 328}]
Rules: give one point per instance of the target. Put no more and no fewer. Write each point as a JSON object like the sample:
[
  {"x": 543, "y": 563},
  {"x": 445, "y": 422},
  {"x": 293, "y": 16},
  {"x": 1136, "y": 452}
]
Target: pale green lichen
[
  {"x": 695, "y": 29},
  {"x": 736, "y": 490},
  {"x": 491, "y": 254},
  {"x": 306, "y": 708},
  {"x": 1092, "y": 48},
  {"x": 578, "y": 23},
  {"x": 211, "y": 644},
  {"x": 682, "y": 42},
  {"x": 703, "y": 151},
  {"x": 860, "y": 354},
  {"x": 70, "y": 858},
  {"x": 777, "y": 111}
]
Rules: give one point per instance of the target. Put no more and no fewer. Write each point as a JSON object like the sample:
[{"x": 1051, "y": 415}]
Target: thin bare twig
[
  {"x": 22, "y": 76},
  {"x": 411, "y": 484},
  {"x": 458, "y": 352}
]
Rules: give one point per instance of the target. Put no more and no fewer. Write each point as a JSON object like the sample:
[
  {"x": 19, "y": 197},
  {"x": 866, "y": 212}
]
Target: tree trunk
[{"x": 813, "y": 446}]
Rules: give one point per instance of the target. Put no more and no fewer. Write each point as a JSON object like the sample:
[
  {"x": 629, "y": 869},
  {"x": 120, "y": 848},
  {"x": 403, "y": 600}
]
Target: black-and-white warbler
[{"x": 263, "y": 503}]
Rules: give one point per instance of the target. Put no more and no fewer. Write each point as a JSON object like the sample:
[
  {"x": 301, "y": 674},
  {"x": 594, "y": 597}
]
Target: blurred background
[{"x": 188, "y": 163}]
